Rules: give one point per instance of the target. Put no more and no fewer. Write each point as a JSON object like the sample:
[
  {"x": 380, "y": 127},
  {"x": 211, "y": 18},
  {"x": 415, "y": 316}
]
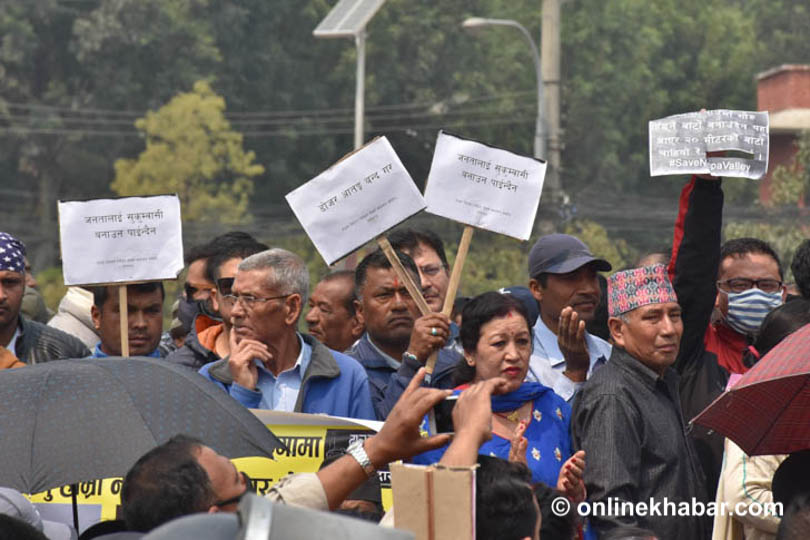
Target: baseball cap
[
  {"x": 524, "y": 295},
  {"x": 12, "y": 503},
  {"x": 561, "y": 253}
]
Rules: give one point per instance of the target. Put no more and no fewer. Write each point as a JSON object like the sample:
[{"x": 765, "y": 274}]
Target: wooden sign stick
[
  {"x": 458, "y": 266},
  {"x": 452, "y": 288},
  {"x": 124, "y": 316}
]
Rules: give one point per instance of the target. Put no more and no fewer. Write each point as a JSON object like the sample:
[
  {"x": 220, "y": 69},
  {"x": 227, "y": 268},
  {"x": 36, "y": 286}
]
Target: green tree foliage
[
  {"x": 615, "y": 251},
  {"x": 51, "y": 285},
  {"x": 627, "y": 62},
  {"x": 191, "y": 150},
  {"x": 789, "y": 183},
  {"x": 74, "y": 76}
]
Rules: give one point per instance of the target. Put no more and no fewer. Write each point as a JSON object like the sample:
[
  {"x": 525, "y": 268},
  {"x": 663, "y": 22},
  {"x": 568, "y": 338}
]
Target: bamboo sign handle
[
  {"x": 124, "y": 316},
  {"x": 452, "y": 289},
  {"x": 413, "y": 289}
]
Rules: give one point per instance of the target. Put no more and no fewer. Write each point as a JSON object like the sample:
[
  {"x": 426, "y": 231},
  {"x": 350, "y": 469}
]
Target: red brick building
[{"x": 784, "y": 92}]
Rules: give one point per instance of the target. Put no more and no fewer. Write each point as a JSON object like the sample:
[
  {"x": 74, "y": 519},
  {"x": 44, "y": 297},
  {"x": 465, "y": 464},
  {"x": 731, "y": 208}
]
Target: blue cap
[
  {"x": 525, "y": 296},
  {"x": 560, "y": 254}
]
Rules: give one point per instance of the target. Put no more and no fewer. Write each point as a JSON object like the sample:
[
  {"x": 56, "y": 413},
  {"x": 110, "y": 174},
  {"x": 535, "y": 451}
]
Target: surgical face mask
[{"x": 747, "y": 309}]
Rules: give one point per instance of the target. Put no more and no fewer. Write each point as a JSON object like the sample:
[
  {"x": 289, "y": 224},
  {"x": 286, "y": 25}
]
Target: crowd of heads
[{"x": 252, "y": 293}]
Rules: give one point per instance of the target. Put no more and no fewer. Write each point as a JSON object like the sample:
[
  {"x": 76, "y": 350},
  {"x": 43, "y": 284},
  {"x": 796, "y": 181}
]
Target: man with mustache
[
  {"x": 628, "y": 416},
  {"x": 564, "y": 282},
  {"x": 332, "y": 318},
  {"x": 394, "y": 331},
  {"x": 23, "y": 341},
  {"x": 145, "y": 319}
]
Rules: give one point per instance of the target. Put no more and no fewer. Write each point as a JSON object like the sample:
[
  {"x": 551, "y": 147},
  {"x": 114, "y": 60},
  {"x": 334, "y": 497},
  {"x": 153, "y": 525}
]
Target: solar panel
[{"x": 347, "y": 18}]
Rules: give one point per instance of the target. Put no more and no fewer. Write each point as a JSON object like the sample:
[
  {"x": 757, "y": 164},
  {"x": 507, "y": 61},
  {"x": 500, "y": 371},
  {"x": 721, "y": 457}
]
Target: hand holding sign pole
[
  {"x": 452, "y": 289},
  {"x": 481, "y": 186}
]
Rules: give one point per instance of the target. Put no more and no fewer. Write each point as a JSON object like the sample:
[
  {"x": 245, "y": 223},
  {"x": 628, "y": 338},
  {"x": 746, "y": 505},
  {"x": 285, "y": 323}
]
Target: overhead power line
[
  {"x": 290, "y": 132},
  {"x": 284, "y": 122},
  {"x": 128, "y": 113}
]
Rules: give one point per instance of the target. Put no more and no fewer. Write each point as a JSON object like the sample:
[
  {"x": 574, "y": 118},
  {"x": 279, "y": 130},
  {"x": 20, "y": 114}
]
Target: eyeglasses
[
  {"x": 235, "y": 500},
  {"x": 738, "y": 285},
  {"x": 249, "y": 301},
  {"x": 431, "y": 270},
  {"x": 224, "y": 285}
]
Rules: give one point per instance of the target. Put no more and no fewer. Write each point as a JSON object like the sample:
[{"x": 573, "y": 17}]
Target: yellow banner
[{"x": 309, "y": 439}]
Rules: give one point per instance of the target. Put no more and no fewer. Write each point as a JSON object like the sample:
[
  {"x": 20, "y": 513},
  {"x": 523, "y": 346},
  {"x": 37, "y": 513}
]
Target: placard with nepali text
[
  {"x": 124, "y": 240},
  {"x": 678, "y": 144},
  {"x": 357, "y": 199},
  {"x": 483, "y": 186}
]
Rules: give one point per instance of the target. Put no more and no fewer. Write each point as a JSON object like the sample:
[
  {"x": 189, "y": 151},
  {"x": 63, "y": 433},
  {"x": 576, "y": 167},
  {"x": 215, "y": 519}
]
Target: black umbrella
[{"x": 71, "y": 421}]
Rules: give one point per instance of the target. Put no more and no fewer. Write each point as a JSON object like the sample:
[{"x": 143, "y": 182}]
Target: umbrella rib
[{"x": 781, "y": 410}]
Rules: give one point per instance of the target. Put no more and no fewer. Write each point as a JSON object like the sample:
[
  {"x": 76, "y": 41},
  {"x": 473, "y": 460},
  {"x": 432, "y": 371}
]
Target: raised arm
[{"x": 695, "y": 260}]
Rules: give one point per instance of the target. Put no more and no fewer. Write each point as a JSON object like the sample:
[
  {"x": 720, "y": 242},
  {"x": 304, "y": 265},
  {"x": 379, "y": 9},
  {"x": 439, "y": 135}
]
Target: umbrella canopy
[
  {"x": 71, "y": 421},
  {"x": 768, "y": 410}
]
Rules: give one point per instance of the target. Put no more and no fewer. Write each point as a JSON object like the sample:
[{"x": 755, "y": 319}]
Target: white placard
[
  {"x": 123, "y": 240},
  {"x": 678, "y": 143},
  {"x": 485, "y": 187},
  {"x": 355, "y": 200}
]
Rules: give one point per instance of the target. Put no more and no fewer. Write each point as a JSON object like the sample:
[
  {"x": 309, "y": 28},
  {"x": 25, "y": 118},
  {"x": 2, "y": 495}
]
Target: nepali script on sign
[
  {"x": 678, "y": 144},
  {"x": 121, "y": 240},
  {"x": 355, "y": 200},
  {"x": 484, "y": 187}
]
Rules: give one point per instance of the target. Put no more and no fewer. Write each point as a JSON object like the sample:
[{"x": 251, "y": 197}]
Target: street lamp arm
[{"x": 478, "y": 22}]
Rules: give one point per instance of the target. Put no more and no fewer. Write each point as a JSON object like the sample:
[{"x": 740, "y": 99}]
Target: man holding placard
[
  {"x": 395, "y": 334},
  {"x": 20, "y": 339},
  {"x": 144, "y": 318},
  {"x": 564, "y": 282},
  {"x": 271, "y": 365}
]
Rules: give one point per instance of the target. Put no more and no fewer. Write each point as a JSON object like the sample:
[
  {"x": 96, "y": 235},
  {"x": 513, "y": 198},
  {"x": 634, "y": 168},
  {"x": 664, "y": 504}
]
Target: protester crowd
[{"x": 579, "y": 383}]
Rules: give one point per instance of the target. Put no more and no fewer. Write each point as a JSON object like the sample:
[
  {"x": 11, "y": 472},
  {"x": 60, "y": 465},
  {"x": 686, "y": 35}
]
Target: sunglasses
[
  {"x": 224, "y": 285},
  {"x": 191, "y": 291}
]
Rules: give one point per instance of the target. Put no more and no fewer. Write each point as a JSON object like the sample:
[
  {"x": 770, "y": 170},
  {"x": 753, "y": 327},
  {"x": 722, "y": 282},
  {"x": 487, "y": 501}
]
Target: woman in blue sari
[{"x": 497, "y": 342}]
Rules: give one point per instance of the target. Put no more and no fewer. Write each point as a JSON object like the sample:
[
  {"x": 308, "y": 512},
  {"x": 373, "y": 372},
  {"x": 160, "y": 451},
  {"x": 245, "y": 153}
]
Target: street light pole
[
  {"x": 360, "y": 88},
  {"x": 539, "y": 128},
  {"x": 550, "y": 43}
]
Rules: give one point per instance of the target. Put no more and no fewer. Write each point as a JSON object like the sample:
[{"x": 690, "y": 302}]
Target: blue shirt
[
  {"x": 547, "y": 362},
  {"x": 277, "y": 393},
  {"x": 98, "y": 353}
]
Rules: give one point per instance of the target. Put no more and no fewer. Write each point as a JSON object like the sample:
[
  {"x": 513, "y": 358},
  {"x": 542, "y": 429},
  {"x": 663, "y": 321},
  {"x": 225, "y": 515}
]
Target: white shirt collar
[{"x": 12, "y": 345}]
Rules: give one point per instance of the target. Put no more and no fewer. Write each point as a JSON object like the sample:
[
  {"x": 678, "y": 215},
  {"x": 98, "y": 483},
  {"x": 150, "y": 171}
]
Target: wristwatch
[{"x": 357, "y": 451}]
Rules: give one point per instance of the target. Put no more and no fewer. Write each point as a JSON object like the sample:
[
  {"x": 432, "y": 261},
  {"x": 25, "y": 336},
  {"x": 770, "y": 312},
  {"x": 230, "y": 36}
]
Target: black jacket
[
  {"x": 194, "y": 354},
  {"x": 40, "y": 343},
  {"x": 693, "y": 270}
]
